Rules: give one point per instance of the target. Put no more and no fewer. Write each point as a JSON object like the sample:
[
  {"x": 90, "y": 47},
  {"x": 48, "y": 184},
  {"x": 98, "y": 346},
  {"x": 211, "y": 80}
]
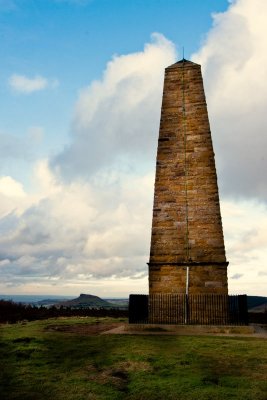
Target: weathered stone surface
[{"x": 186, "y": 227}]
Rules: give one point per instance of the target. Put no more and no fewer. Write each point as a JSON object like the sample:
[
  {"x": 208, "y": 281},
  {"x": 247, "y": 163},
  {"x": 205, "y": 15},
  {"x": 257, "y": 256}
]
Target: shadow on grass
[{"x": 40, "y": 364}]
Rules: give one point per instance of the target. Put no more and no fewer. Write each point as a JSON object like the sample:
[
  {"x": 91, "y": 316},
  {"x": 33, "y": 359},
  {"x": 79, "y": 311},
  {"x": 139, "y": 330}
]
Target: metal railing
[{"x": 193, "y": 309}]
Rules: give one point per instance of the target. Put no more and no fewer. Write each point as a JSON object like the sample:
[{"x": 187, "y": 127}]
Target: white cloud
[
  {"x": 9, "y": 187},
  {"x": 96, "y": 222},
  {"x": 13, "y": 198},
  {"x": 233, "y": 58},
  {"x": 81, "y": 235},
  {"x": 71, "y": 232},
  {"x": 245, "y": 232},
  {"x": 117, "y": 118},
  {"x": 23, "y": 84}
]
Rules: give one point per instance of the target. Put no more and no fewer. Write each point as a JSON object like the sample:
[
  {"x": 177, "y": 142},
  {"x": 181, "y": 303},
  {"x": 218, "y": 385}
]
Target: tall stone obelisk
[{"x": 187, "y": 245}]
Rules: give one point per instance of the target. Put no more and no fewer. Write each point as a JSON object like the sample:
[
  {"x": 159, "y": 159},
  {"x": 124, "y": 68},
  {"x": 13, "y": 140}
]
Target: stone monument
[{"x": 187, "y": 253}]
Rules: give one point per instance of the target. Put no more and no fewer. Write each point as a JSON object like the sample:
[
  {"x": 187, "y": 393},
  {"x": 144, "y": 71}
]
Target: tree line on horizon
[{"x": 11, "y": 312}]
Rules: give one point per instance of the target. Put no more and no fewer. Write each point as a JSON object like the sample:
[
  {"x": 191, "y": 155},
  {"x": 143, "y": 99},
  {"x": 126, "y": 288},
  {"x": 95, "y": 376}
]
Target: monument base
[{"x": 192, "y": 309}]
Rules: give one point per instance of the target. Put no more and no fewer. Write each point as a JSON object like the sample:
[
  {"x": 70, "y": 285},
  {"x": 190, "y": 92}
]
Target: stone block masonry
[{"x": 186, "y": 227}]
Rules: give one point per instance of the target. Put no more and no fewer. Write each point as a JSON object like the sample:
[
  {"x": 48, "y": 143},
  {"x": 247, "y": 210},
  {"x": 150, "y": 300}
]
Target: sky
[{"x": 80, "y": 97}]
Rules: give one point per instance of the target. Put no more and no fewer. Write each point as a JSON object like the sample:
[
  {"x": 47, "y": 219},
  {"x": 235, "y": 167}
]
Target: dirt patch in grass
[
  {"x": 82, "y": 329},
  {"x": 134, "y": 366},
  {"x": 118, "y": 375}
]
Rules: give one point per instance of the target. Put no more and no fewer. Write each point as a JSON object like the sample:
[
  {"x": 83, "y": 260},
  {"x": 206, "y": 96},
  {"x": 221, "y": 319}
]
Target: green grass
[{"x": 39, "y": 364}]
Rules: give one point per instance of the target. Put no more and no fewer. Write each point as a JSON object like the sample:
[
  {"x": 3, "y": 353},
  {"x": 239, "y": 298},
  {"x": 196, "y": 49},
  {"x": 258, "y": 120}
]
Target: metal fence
[{"x": 194, "y": 309}]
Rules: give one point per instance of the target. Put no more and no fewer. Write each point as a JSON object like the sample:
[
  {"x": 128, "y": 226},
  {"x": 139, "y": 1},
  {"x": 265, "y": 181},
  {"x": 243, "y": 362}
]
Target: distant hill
[
  {"x": 87, "y": 301},
  {"x": 122, "y": 303},
  {"x": 48, "y": 302},
  {"x": 257, "y": 303}
]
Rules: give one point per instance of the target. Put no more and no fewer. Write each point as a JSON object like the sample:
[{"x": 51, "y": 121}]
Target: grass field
[{"x": 46, "y": 360}]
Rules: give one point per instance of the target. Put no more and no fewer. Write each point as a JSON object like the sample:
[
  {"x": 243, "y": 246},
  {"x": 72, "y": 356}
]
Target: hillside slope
[
  {"x": 87, "y": 300},
  {"x": 257, "y": 303}
]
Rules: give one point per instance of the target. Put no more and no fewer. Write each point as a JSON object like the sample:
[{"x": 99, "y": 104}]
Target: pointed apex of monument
[{"x": 183, "y": 62}]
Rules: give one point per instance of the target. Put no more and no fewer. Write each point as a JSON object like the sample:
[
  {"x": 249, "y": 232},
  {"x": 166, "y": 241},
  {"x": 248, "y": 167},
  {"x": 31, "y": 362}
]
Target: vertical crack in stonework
[{"x": 186, "y": 226}]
